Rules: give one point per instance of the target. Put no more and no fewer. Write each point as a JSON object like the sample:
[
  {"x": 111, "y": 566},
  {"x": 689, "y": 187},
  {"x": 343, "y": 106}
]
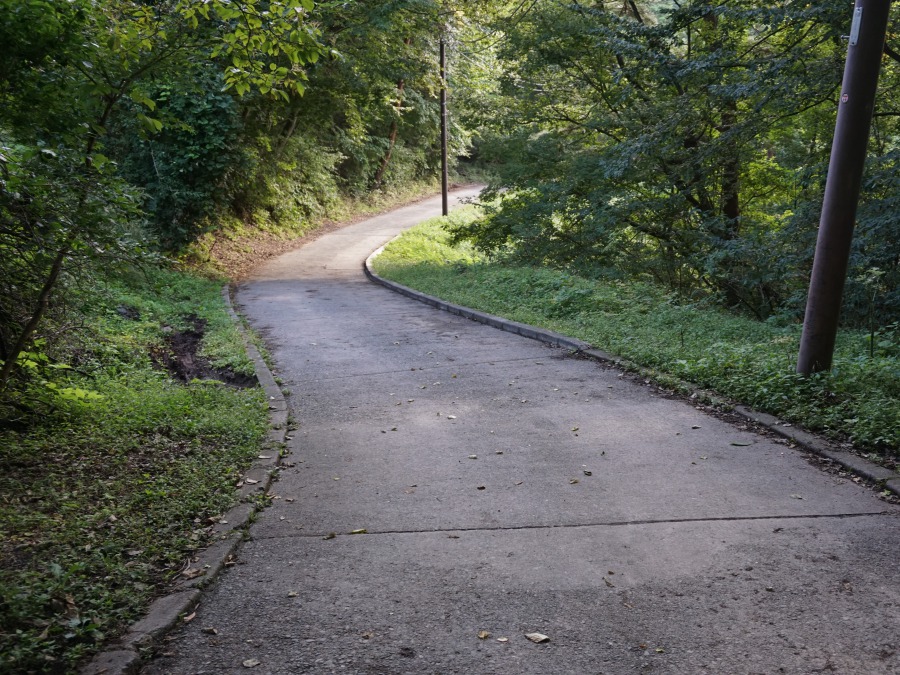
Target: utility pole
[
  {"x": 845, "y": 169},
  {"x": 445, "y": 186}
]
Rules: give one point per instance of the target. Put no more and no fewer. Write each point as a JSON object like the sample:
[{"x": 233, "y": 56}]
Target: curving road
[{"x": 507, "y": 488}]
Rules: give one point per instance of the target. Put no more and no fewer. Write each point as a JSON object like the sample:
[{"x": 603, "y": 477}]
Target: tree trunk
[
  {"x": 731, "y": 173},
  {"x": 40, "y": 307},
  {"x": 392, "y": 140},
  {"x": 392, "y": 137}
]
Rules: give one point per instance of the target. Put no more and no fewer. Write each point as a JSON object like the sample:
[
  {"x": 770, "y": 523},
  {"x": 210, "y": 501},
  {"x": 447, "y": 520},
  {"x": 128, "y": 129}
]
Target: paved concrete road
[{"x": 638, "y": 533}]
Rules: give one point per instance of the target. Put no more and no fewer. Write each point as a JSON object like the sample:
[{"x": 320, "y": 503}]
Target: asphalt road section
[{"x": 500, "y": 488}]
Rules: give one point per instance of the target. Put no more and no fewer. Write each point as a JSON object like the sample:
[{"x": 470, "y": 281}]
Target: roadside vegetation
[
  {"x": 738, "y": 357},
  {"x": 131, "y": 445}
]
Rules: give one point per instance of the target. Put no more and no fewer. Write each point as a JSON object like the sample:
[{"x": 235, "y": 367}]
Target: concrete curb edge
[
  {"x": 123, "y": 656},
  {"x": 883, "y": 477}
]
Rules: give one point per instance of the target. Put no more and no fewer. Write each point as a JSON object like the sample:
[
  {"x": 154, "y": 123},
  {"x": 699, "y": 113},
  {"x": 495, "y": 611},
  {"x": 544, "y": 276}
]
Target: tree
[
  {"x": 688, "y": 143},
  {"x": 70, "y": 67}
]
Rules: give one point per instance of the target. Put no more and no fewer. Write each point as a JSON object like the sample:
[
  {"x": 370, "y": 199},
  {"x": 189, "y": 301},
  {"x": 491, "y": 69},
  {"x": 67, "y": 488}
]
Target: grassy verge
[
  {"x": 107, "y": 492},
  {"x": 744, "y": 360}
]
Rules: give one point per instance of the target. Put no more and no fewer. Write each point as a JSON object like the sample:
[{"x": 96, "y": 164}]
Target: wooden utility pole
[
  {"x": 445, "y": 185},
  {"x": 848, "y": 156}
]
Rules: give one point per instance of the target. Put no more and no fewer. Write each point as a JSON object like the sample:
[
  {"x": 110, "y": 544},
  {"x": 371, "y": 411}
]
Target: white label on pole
[{"x": 854, "y": 28}]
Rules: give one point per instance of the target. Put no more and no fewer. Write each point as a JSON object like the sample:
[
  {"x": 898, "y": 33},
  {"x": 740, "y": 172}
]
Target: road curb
[
  {"x": 885, "y": 478},
  {"x": 123, "y": 656},
  {"x": 540, "y": 334}
]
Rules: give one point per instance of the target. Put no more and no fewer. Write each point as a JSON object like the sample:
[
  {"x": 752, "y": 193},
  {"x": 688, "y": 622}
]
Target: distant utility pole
[
  {"x": 445, "y": 185},
  {"x": 848, "y": 157}
]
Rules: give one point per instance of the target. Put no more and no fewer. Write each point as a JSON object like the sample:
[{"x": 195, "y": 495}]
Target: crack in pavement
[{"x": 613, "y": 523}]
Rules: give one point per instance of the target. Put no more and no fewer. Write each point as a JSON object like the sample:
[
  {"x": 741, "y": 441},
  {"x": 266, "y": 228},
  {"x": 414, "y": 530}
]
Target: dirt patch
[{"x": 179, "y": 356}]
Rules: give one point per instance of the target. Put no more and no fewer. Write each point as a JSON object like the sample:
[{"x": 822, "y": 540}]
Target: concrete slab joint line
[
  {"x": 854, "y": 463},
  {"x": 123, "y": 656}
]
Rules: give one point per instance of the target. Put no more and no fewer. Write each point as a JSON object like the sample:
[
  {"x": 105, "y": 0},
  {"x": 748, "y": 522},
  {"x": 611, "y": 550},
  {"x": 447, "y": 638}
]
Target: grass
[
  {"x": 744, "y": 360},
  {"x": 105, "y": 495}
]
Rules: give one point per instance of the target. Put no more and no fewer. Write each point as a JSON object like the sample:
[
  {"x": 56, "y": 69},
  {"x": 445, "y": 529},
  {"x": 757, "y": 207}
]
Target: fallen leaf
[
  {"x": 796, "y": 496},
  {"x": 588, "y": 473},
  {"x": 537, "y": 637},
  {"x": 451, "y": 417},
  {"x": 696, "y": 426},
  {"x": 503, "y": 639},
  {"x": 574, "y": 428},
  {"x": 288, "y": 499},
  {"x": 250, "y": 481},
  {"x": 330, "y": 535},
  {"x": 483, "y": 635},
  {"x": 368, "y": 635},
  {"x": 193, "y": 573},
  {"x": 741, "y": 443},
  {"x": 190, "y": 617},
  {"x": 608, "y": 582},
  {"x": 293, "y": 594},
  {"x": 209, "y": 630},
  {"x": 264, "y": 456},
  {"x": 473, "y": 456},
  {"x": 572, "y": 481},
  {"x": 360, "y": 531},
  {"x": 251, "y": 663}
]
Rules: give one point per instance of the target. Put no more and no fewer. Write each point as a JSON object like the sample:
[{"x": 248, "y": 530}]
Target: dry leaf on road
[{"x": 537, "y": 637}]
